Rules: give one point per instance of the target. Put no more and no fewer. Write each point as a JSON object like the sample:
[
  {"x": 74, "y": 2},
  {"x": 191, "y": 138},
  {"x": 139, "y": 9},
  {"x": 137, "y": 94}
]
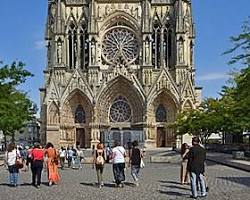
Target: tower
[{"x": 117, "y": 70}]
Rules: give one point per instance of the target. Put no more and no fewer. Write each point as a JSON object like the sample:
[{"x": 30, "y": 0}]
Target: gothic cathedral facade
[{"x": 117, "y": 70}]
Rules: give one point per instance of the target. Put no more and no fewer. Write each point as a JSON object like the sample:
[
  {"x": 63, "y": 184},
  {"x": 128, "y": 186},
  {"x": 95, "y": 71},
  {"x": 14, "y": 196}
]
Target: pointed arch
[
  {"x": 53, "y": 114},
  {"x": 120, "y": 86}
]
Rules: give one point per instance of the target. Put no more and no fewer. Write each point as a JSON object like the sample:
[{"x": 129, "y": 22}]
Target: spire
[
  {"x": 92, "y": 16},
  {"x": 146, "y": 20},
  {"x": 59, "y": 17},
  {"x": 179, "y": 21}
]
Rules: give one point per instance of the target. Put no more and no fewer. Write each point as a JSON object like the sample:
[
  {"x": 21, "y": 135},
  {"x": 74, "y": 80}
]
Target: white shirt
[
  {"x": 11, "y": 157},
  {"x": 62, "y": 153},
  {"x": 118, "y": 153}
]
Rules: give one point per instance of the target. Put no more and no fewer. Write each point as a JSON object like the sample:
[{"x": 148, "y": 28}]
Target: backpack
[{"x": 99, "y": 158}]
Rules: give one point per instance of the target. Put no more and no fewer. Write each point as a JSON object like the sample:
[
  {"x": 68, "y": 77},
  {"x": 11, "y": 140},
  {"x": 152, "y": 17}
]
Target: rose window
[
  {"x": 120, "y": 110},
  {"x": 120, "y": 46}
]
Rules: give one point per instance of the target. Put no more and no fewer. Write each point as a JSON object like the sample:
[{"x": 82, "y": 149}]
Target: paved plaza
[{"x": 159, "y": 181}]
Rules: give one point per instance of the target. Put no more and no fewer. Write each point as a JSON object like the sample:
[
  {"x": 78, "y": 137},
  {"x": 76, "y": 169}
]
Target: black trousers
[
  {"x": 118, "y": 170},
  {"x": 36, "y": 168}
]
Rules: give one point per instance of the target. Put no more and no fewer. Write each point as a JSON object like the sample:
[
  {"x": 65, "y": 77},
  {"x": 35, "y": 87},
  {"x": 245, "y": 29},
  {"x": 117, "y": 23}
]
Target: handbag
[
  {"x": 142, "y": 164},
  {"x": 19, "y": 162}
]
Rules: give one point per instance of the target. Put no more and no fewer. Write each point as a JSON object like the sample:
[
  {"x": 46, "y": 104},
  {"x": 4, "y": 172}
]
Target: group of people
[
  {"x": 193, "y": 161},
  {"x": 36, "y": 158},
  {"x": 73, "y": 156},
  {"x": 118, "y": 156},
  {"x": 193, "y": 165}
]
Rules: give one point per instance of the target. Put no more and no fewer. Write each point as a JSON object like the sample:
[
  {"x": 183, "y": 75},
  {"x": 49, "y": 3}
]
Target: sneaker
[
  {"x": 102, "y": 184},
  {"x": 50, "y": 183},
  {"x": 137, "y": 184},
  {"x": 193, "y": 197},
  {"x": 38, "y": 186}
]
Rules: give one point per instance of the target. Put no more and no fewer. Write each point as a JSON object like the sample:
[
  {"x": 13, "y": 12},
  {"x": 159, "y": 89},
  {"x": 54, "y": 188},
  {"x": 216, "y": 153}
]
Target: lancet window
[
  {"x": 84, "y": 47},
  {"x": 162, "y": 45},
  {"x": 72, "y": 46}
]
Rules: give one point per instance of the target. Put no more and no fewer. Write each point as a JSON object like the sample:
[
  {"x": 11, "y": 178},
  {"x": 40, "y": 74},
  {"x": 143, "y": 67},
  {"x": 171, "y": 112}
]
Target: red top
[{"x": 37, "y": 154}]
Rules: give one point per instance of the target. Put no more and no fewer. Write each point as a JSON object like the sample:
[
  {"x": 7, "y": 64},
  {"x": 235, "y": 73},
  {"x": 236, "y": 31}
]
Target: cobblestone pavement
[{"x": 158, "y": 181}]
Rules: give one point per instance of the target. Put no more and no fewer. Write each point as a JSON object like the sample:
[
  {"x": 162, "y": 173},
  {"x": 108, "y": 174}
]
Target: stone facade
[{"x": 117, "y": 70}]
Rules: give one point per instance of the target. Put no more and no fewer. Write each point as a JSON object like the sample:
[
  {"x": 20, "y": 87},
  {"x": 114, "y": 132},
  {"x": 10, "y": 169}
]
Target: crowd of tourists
[{"x": 37, "y": 158}]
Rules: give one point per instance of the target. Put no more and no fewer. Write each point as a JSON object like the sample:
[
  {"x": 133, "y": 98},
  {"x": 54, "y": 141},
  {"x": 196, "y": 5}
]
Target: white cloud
[
  {"x": 213, "y": 76},
  {"x": 40, "y": 44}
]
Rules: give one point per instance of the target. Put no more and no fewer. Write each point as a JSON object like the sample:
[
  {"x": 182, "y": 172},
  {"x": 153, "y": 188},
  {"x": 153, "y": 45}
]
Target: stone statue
[
  {"x": 147, "y": 53},
  {"x": 107, "y": 10},
  {"x": 93, "y": 51},
  {"x": 181, "y": 52},
  {"x": 59, "y": 52}
]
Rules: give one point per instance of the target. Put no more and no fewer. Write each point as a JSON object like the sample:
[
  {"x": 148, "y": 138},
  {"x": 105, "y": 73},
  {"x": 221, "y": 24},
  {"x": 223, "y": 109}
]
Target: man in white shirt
[{"x": 118, "y": 156}]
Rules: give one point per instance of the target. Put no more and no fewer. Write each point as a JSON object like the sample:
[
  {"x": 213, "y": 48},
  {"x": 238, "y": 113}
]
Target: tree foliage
[
  {"x": 231, "y": 112},
  {"x": 15, "y": 106}
]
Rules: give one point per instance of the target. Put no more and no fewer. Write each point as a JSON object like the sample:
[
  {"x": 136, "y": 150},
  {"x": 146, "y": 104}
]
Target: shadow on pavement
[
  {"x": 4, "y": 184},
  {"x": 170, "y": 182},
  {"x": 240, "y": 180},
  {"x": 173, "y": 193},
  {"x": 112, "y": 185},
  {"x": 175, "y": 187},
  {"x": 89, "y": 184}
]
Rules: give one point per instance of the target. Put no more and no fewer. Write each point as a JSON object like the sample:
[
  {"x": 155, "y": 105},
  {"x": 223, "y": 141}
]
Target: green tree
[
  {"x": 15, "y": 106},
  {"x": 239, "y": 91}
]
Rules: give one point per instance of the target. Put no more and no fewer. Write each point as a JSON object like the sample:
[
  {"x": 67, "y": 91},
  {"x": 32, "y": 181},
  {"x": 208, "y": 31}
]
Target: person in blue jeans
[
  {"x": 196, "y": 168},
  {"x": 10, "y": 158}
]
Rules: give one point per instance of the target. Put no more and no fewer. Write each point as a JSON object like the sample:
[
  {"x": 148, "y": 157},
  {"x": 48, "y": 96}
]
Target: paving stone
[{"x": 158, "y": 181}]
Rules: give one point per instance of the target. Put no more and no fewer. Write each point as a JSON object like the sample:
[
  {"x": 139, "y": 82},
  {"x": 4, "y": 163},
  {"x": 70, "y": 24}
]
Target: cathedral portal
[{"x": 117, "y": 70}]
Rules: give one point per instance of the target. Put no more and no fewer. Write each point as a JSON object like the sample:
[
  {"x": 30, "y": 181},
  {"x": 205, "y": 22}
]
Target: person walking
[
  {"x": 135, "y": 158},
  {"x": 118, "y": 156},
  {"x": 11, "y": 155},
  {"x": 37, "y": 157},
  {"x": 69, "y": 155},
  {"x": 52, "y": 164},
  {"x": 98, "y": 162},
  {"x": 108, "y": 153},
  {"x": 80, "y": 156},
  {"x": 62, "y": 154},
  {"x": 196, "y": 167},
  {"x": 184, "y": 156}
]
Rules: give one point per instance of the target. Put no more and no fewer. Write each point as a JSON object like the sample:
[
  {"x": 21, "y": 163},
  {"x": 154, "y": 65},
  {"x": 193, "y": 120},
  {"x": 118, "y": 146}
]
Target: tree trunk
[{"x": 5, "y": 142}]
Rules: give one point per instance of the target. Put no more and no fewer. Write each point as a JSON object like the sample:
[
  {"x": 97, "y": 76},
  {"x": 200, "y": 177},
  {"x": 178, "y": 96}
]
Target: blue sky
[{"x": 22, "y": 38}]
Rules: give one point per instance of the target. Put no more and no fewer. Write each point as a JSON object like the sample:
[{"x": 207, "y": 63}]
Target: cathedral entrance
[
  {"x": 123, "y": 136},
  {"x": 80, "y": 137},
  {"x": 161, "y": 137}
]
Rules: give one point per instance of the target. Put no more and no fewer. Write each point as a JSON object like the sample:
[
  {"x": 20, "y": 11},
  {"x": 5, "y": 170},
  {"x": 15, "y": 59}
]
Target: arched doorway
[
  {"x": 162, "y": 113},
  {"x": 120, "y": 112},
  {"x": 76, "y": 117}
]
